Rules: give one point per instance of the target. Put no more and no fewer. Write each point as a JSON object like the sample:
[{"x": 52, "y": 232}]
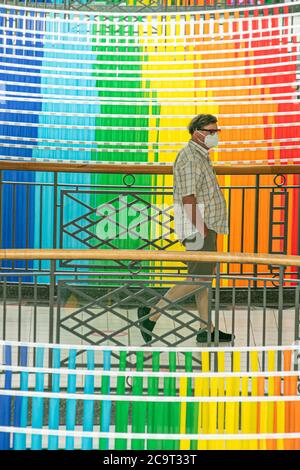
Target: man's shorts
[{"x": 210, "y": 244}]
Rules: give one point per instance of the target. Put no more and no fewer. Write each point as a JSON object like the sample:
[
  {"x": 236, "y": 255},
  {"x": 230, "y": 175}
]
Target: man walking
[{"x": 200, "y": 214}]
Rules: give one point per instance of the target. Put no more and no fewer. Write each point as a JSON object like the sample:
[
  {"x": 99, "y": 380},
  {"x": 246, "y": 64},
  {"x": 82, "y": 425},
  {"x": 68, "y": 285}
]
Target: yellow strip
[
  {"x": 198, "y": 393},
  {"x": 232, "y": 409},
  {"x": 221, "y": 393},
  {"x": 212, "y": 411},
  {"x": 254, "y": 366},
  {"x": 183, "y": 383},
  {"x": 246, "y": 412},
  {"x": 263, "y": 422},
  {"x": 237, "y": 368},
  {"x": 203, "y": 445}
]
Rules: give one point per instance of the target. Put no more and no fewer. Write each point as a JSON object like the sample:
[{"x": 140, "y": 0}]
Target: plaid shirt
[{"x": 194, "y": 174}]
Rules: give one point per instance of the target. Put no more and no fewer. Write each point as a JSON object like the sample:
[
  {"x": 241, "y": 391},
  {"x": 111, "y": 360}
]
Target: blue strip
[
  {"x": 71, "y": 404},
  {"x": 18, "y": 224},
  {"x": 70, "y": 211},
  {"x": 54, "y": 402},
  {"x": 106, "y": 405},
  {"x": 5, "y": 402},
  {"x": 88, "y": 407},
  {"x": 21, "y": 404},
  {"x": 38, "y": 403}
]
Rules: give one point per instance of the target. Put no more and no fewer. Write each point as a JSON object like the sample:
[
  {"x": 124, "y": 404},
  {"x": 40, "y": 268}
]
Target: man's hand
[{"x": 192, "y": 210}]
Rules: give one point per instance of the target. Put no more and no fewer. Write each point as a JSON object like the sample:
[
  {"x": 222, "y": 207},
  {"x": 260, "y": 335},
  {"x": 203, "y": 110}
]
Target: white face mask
[{"x": 211, "y": 140}]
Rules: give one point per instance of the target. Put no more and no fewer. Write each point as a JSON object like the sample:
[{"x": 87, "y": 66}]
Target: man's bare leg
[
  {"x": 176, "y": 293},
  {"x": 202, "y": 306}
]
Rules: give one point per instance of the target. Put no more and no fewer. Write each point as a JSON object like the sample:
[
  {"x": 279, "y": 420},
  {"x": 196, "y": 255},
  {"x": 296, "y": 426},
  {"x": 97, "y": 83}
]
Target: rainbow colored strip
[
  {"x": 217, "y": 406},
  {"x": 116, "y": 89}
]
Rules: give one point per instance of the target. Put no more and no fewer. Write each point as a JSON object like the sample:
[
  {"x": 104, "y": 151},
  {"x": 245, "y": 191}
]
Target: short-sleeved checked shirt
[{"x": 194, "y": 174}]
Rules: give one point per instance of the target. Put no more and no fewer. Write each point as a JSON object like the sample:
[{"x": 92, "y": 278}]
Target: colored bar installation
[{"x": 222, "y": 406}]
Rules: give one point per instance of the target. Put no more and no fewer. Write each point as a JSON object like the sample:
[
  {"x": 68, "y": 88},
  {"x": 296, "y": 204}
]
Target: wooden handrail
[
  {"x": 147, "y": 255},
  {"x": 143, "y": 168}
]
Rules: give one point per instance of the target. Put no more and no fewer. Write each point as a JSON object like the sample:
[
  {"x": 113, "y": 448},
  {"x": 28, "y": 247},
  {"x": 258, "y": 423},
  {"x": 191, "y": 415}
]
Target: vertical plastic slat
[
  {"x": 122, "y": 408},
  {"x": 21, "y": 404},
  {"x": 71, "y": 404},
  {"x": 185, "y": 410},
  {"x": 221, "y": 392},
  {"x": 184, "y": 443},
  {"x": 139, "y": 409},
  {"x": 236, "y": 392},
  {"x": 246, "y": 410},
  {"x": 37, "y": 402},
  {"x": 192, "y": 409},
  {"x": 252, "y": 425},
  {"x": 154, "y": 408},
  {"x": 88, "y": 407},
  {"x": 173, "y": 416},
  {"x": 213, "y": 413},
  {"x": 271, "y": 444},
  {"x": 106, "y": 404},
  {"x": 5, "y": 402},
  {"x": 287, "y": 362},
  {"x": 204, "y": 413},
  {"x": 54, "y": 402},
  {"x": 263, "y": 413},
  {"x": 198, "y": 393}
]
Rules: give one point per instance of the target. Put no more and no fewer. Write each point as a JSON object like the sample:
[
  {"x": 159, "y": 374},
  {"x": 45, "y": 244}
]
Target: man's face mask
[{"x": 210, "y": 140}]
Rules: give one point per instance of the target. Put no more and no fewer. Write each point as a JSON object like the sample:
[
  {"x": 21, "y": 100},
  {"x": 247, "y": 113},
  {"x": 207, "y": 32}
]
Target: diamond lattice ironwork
[
  {"x": 107, "y": 315},
  {"x": 123, "y": 219}
]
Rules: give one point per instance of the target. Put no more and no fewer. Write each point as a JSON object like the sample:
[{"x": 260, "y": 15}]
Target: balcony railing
[
  {"x": 56, "y": 210},
  {"x": 100, "y": 308}
]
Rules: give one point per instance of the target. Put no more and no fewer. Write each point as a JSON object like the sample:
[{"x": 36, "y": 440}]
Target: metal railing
[
  {"x": 251, "y": 229},
  {"x": 101, "y": 308}
]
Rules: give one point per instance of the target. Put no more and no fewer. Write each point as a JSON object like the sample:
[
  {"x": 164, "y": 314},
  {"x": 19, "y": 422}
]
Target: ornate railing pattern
[
  {"x": 100, "y": 308},
  {"x": 126, "y": 213}
]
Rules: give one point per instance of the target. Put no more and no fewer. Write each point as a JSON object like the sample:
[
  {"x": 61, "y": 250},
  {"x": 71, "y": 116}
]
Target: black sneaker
[
  {"x": 202, "y": 337},
  {"x": 145, "y": 324}
]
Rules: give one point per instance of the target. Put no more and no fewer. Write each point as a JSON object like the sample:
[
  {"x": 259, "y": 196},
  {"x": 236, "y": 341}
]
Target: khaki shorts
[{"x": 210, "y": 244}]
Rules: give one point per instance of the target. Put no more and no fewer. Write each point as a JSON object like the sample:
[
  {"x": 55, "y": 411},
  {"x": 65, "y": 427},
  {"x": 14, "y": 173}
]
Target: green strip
[
  {"x": 173, "y": 409},
  {"x": 154, "y": 408},
  {"x": 112, "y": 231},
  {"x": 122, "y": 407},
  {"x": 139, "y": 409},
  {"x": 192, "y": 408}
]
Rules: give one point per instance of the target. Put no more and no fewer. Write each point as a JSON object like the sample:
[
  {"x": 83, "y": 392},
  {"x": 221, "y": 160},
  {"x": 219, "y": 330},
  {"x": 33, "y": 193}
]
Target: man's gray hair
[{"x": 200, "y": 121}]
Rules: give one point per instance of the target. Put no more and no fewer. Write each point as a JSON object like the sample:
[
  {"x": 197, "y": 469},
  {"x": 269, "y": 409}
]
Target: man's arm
[{"x": 192, "y": 210}]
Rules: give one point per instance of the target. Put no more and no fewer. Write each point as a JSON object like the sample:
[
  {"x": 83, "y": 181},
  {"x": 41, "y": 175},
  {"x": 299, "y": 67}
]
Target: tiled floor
[
  {"x": 20, "y": 325},
  {"x": 255, "y": 327}
]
